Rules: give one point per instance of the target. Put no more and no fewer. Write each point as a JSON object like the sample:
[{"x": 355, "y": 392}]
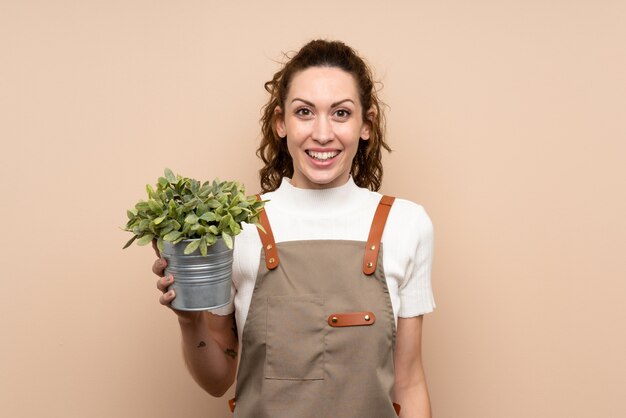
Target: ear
[
  {"x": 279, "y": 122},
  {"x": 366, "y": 129}
]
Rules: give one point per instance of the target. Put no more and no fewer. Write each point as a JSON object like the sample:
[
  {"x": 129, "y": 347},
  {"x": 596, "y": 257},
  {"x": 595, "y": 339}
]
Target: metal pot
[{"x": 200, "y": 282}]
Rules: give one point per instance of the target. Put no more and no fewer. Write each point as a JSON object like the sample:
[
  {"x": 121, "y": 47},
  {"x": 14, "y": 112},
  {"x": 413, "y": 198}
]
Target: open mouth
[{"x": 322, "y": 156}]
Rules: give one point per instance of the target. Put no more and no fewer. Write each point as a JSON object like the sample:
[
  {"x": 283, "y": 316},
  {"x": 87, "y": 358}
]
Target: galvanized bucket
[{"x": 200, "y": 282}]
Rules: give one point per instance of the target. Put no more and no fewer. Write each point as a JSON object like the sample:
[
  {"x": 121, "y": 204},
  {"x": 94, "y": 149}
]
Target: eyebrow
[{"x": 332, "y": 105}]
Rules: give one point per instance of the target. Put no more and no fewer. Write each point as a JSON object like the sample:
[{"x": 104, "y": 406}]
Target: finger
[
  {"x": 158, "y": 266},
  {"x": 156, "y": 249},
  {"x": 164, "y": 282},
  {"x": 167, "y": 298}
]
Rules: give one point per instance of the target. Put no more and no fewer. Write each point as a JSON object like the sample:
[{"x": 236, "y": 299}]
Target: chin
[{"x": 325, "y": 180}]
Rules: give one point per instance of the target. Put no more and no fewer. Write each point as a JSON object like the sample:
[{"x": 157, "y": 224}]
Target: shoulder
[
  {"x": 411, "y": 212},
  {"x": 410, "y": 219}
]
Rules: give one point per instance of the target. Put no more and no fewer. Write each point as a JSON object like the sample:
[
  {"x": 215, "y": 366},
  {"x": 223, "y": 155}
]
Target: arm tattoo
[{"x": 230, "y": 353}]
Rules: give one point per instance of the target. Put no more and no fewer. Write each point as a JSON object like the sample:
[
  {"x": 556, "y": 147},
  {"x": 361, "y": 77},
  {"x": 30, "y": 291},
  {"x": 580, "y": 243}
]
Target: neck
[{"x": 317, "y": 202}]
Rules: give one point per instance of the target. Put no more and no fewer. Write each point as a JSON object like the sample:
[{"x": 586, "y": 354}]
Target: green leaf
[
  {"x": 204, "y": 191},
  {"x": 167, "y": 227},
  {"x": 190, "y": 205},
  {"x": 169, "y": 175},
  {"x": 171, "y": 209},
  {"x": 235, "y": 200},
  {"x": 154, "y": 206},
  {"x": 180, "y": 186},
  {"x": 150, "y": 190},
  {"x": 172, "y": 236},
  {"x": 192, "y": 246},
  {"x": 213, "y": 229},
  {"x": 191, "y": 219},
  {"x": 208, "y": 216},
  {"x": 201, "y": 209},
  {"x": 145, "y": 240},
  {"x": 142, "y": 206},
  {"x": 163, "y": 182},
  {"x": 195, "y": 186},
  {"x": 203, "y": 246},
  {"x": 258, "y": 225},
  {"x": 160, "y": 244},
  {"x": 228, "y": 240},
  {"x": 242, "y": 217},
  {"x": 210, "y": 239},
  {"x": 130, "y": 241},
  {"x": 159, "y": 219},
  {"x": 225, "y": 221}
]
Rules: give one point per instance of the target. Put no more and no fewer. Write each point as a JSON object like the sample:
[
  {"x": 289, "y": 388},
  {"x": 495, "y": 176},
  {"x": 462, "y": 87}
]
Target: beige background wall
[{"x": 507, "y": 120}]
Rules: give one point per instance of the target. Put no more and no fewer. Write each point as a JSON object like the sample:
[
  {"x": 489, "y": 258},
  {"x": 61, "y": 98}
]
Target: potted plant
[{"x": 194, "y": 225}]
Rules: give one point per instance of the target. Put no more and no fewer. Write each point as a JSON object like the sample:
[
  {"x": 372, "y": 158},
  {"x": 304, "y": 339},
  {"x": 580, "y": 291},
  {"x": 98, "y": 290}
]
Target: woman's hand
[
  {"x": 168, "y": 295},
  {"x": 209, "y": 341}
]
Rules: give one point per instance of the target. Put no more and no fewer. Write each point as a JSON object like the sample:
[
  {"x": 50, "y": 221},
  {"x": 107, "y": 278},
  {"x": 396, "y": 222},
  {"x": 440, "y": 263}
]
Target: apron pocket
[{"x": 295, "y": 337}]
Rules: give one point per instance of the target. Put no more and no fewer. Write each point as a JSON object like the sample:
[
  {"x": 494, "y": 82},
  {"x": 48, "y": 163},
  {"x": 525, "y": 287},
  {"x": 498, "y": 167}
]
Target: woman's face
[{"x": 323, "y": 122}]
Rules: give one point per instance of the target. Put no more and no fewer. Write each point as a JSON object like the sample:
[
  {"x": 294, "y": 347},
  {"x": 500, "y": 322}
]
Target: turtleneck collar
[{"x": 316, "y": 202}]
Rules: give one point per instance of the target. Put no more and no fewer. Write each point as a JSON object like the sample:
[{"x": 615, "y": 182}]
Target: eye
[
  {"x": 343, "y": 113},
  {"x": 303, "y": 111}
]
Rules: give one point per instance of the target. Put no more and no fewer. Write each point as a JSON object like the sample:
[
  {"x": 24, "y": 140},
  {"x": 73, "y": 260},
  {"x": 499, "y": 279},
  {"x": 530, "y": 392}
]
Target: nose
[{"x": 322, "y": 130}]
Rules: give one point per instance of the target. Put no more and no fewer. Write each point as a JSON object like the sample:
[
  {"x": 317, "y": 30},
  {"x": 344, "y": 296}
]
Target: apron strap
[
  {"x": 267, "y": 239},
  {"x": 376, "y": 233}
]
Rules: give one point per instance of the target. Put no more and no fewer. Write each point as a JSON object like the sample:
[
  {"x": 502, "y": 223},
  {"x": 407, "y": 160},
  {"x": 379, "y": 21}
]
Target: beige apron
[{"x": 319, "y": 337}]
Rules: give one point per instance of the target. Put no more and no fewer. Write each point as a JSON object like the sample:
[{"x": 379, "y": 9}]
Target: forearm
[
  {"x": 411, "y": 391},
  {"x": 210, "y": 351},
  {"x": 414, "y": 400}
]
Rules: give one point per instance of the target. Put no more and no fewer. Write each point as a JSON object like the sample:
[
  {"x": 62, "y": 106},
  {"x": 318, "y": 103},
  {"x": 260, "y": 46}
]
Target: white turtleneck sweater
[{"x": 342, "y": 213}]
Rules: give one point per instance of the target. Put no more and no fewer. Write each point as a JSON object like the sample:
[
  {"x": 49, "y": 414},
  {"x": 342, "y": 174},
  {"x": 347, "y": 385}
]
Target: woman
[{"x": 328, "y": 301}]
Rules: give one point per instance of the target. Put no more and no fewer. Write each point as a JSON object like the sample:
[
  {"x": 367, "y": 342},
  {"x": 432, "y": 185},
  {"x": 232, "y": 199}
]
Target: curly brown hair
[{"x": 367, "y": 168}]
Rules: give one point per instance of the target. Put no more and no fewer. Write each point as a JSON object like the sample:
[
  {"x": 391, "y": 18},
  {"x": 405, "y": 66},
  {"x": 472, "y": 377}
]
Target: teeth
[{"x": 323, "y": 155}]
